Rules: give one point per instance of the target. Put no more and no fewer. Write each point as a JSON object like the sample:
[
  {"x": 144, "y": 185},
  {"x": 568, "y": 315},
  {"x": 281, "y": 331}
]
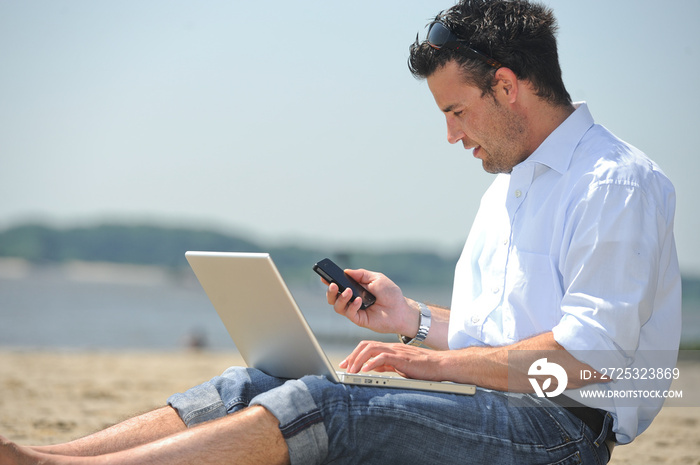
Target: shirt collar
[{"x": 558, "y": 148}]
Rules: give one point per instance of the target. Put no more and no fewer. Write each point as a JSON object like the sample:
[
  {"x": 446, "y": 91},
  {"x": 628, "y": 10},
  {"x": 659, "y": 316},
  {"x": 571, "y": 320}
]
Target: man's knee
[{"x": 230, "y": 392}]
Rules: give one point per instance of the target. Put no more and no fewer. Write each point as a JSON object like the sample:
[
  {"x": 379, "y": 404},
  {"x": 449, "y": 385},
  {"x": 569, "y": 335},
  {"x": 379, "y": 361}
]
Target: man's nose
[{"x": 454, "y": 132}]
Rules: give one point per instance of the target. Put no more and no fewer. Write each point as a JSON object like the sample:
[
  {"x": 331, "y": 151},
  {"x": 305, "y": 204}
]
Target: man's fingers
[
  {"x": 332, "y": 293},
  {"x": 367, "y": 356},
  {"x": 361, "y": 276}
]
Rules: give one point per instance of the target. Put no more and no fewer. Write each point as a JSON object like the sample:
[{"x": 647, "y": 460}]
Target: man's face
[{"x": 487, "y": 124}]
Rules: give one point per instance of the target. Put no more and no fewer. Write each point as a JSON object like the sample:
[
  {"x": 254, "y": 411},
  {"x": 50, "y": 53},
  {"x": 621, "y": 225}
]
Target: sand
[{"x": 49, "y": 397}]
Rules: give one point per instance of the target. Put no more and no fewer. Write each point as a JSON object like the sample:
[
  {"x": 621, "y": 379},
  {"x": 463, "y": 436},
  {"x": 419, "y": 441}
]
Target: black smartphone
[{"x": 333, "y": 274}]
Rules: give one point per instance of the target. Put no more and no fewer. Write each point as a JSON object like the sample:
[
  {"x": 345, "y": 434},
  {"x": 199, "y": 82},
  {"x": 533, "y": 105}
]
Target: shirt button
[
  {"x": 475, "y": 319},
  {"x": 495, "y": 290},
  {"x": 518, "y": 193}
]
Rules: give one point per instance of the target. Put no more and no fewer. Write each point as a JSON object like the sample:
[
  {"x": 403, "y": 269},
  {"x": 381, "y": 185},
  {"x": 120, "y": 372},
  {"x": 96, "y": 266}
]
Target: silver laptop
[{"x": 268, "y": 327}]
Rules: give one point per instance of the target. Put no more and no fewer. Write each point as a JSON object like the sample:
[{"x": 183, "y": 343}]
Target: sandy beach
[{"x": 50, "y": 397}]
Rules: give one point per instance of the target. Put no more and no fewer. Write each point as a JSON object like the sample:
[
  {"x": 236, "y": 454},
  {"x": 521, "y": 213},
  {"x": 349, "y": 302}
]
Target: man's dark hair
[{"x": 517, "y": 33}]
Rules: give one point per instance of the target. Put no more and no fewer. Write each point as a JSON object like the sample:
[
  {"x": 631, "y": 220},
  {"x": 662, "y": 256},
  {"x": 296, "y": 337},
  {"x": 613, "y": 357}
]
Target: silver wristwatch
[{"x": 423, "y": 327}]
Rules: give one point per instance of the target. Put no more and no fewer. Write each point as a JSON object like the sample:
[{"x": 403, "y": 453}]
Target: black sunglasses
[{"x": 440, "y": 36}]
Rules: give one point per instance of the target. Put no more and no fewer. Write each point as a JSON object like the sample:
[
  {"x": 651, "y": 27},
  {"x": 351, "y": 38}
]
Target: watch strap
[{"x": 423, "y": 327}]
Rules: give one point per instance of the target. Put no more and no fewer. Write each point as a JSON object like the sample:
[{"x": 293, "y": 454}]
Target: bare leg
[
  {"x": 134, "y": 432},
  {"x": 251, "y": 436}
]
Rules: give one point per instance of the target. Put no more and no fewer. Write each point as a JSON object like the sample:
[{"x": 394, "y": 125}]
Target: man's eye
[{"x": 457, "y": 113}]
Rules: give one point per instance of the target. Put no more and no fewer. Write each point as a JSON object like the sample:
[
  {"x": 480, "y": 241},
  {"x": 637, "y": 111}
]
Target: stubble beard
[{"x": 507, "y": 149}]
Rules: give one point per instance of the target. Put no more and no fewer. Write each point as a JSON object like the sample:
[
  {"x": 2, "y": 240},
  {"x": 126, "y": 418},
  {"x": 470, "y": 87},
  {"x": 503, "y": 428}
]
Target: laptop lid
[{"x": 260, "y": 313}]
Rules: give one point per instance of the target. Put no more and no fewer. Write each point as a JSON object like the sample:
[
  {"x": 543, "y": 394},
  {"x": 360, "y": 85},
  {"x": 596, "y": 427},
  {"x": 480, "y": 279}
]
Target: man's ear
[{"x": 506, "y": 84}]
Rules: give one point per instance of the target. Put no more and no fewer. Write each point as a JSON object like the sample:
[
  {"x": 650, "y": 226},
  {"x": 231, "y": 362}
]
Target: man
[{"x": 571, "y": 255}]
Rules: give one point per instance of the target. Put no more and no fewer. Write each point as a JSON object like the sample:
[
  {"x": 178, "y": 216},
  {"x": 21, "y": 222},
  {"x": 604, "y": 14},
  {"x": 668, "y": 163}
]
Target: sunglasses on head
[{"x": 440, "y": 36}]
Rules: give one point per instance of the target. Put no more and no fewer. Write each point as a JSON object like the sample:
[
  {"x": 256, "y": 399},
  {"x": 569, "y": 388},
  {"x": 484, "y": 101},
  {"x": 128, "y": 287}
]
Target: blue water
[
  {"x": 53, "y": 308},
  {"x": 57, "y": 308}
]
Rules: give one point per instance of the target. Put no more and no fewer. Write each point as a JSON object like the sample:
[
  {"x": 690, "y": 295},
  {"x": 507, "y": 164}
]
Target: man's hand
[
  {"x": 391, "y": 313},
  {"x": 407, "y": 361},
  {"x": 484, "y": 366}
]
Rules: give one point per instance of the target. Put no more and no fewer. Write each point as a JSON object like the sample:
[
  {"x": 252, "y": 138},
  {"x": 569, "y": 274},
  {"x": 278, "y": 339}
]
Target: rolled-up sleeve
[{"x": 617, "y": 243}]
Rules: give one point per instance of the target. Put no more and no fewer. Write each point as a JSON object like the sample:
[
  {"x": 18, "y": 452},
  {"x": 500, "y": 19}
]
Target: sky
[{"x": 298, "y": 122}]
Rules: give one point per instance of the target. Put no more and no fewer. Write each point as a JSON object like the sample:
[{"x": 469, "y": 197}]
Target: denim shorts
[{"x": 325, "y": 422}]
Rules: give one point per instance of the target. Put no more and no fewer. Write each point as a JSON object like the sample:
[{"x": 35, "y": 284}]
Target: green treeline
[
  {"x": 145, "y": 245},
  {"x": 164, "y": 246}
]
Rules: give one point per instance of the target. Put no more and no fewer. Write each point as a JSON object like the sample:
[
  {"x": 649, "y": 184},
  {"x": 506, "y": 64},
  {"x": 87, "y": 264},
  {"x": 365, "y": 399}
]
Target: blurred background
[{"x": 133, "y": 131}]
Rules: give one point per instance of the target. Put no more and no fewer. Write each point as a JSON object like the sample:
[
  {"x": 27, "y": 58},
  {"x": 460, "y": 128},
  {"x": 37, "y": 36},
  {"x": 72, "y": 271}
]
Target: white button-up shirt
[{"x": 577, "y": 240}]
